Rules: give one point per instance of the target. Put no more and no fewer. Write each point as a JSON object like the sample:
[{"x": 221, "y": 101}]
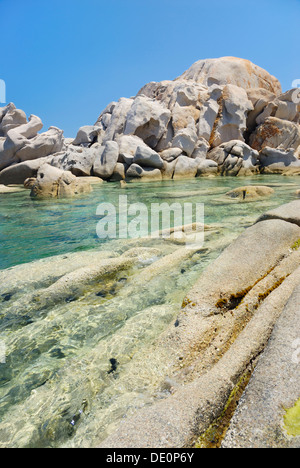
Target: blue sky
[{"x": 65, "y": 60}]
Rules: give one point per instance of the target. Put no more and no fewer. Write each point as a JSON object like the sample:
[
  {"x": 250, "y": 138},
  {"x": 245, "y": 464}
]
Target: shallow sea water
[{"x": 76, "y": 365}]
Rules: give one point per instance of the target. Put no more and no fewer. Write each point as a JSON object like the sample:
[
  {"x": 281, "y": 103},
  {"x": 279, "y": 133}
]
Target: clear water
[{"x": 58, "y": 387}]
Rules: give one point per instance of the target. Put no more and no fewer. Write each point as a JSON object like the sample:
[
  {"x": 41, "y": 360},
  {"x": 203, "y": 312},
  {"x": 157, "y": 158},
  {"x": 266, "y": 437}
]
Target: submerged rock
[
  {"x": 231, "y": 312},
  {"x": 251, "y": 192}
]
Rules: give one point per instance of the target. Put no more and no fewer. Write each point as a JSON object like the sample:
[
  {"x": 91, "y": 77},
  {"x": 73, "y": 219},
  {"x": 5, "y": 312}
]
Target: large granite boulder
[
  {"x": 128, "y": 145},
  {"x": 279, "y": 161},
  {"x": 146, "y": 157},
  {"x": 186, "y": 139},
  {"x": 55, "y": 183},
  {"x": 232, "y": 70},
  {"x": 186, "y": 168},
  {"x": 276, "y": 133},
  {"x": 147, "y": 119},
  {"x": 207, "y": 167},
  {"x": 20, "y": 140},
  {"x": 235, "y": 158},
  {"x": 250, "y": 192},
  {"x": 106, "y": 160},
  {"x": 117, "y": 121},
  {"x": 78, "y": 160},
  {"x": 230, "y": 123},
  {"x": 87, "y": 136},
  {"x": 18, "y": 173},
  {"x": 10, "y": 118},
  {"x": 143, "y": 173},
  {"x": 289, "y": 213}
]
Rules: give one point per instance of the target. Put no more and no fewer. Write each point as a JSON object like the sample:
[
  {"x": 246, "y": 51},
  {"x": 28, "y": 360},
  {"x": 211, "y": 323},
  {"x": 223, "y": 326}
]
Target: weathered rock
[
  {"x": 87, "y": 136},
  {"x": 18, "y": 173},
  {"x": 175, "y": 94},
  {"x": 256, "y": 251},
  {"x": 106, "y": 160},
  {"x": 168, "y": 169},
  {"x": 119, "y": 172},
  {"x": 21, "y": 141},
  {"x": 215, "y": 102},
  {"x": 126, "y": 159},
  {"x": 91, "y": 180},
  {"x": 143, "y": 173},
  {"x": 283, "y": 107},
  {"x": 210, "y": 110},
  {"x": 232, "y": 70},
  {"x": 235, "y": 158},
  {"x": 4, "y": 189},
  {"x": 251, "y": 192},
  {"x": 10, "y": 118},
  {"x": 117, "y": 123},
  {"x": 146, "y": 157},
  {"x": 107, "y": 111},
  {"x": 289, "y": 213},
  {"x": 128, "y": 145},
  {"x": 230, "y": 123},
  {"x": 201, "y": 150},
  {"x": 276, "y": 133},
  {"x": 234, "y": 330},
  {"x": 147, "y": 119},
  {"x": 186, "y": 139},
  {"x": 207, "y": 167},
  {"x": 166, "y": 140},
  {"x": 78, "y": 160},
  {"x": 260, "y": 98},
  {"x": 279, "y": 161},
  {"x": 42, "y": 145},
  {"x": 29, "y": 183},
  {"x": 259, "y": 421},
  {"x": 186, "y": 168},
  {"x": 169, "y": 155},
  {"x": 55, "y": 183}
]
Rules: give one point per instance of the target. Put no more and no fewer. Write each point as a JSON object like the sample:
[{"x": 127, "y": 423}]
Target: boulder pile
[{"x": 223, "y": 116}]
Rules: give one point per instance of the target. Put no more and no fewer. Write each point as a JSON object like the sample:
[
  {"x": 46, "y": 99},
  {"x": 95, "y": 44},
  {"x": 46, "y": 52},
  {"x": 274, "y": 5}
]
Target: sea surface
[{"x": 71, "y": 368}]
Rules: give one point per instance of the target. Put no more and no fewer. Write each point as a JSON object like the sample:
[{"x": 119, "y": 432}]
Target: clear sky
[{"x": 65, "y": 60}]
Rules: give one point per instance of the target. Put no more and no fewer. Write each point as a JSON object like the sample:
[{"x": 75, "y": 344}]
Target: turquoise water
[
  {"x": 80, "y": 354},
  {"x": 30, "y": 229}
]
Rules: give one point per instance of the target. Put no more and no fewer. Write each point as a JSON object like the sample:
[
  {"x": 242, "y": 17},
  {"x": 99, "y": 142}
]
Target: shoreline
[
  {"x": 201, "y": 399},
  {"x": 216, "y": 337}
]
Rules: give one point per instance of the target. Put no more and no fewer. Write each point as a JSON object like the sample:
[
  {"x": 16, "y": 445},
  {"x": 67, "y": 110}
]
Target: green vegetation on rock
[
  {"x": 296, "y": 245},
  {"x": 292, "y": 420}
]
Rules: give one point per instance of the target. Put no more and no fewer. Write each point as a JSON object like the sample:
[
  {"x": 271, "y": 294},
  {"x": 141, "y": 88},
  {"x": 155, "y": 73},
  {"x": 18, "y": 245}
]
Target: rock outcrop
[
  {"x": 226, "y": 322},
  {"x": 19, "y": 138},
  {"x": 260, "y": 420},
  {"x": 55, "y": 183},
  {"x": 226, "y": 110}
]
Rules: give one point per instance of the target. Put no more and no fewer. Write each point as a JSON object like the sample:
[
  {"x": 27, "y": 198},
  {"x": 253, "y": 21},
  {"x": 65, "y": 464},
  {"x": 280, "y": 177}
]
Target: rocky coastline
[
  {"x": 234, "y": 344},
  {"x": 242, "y": 316},
  {"x": 223, "y": 116}
]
